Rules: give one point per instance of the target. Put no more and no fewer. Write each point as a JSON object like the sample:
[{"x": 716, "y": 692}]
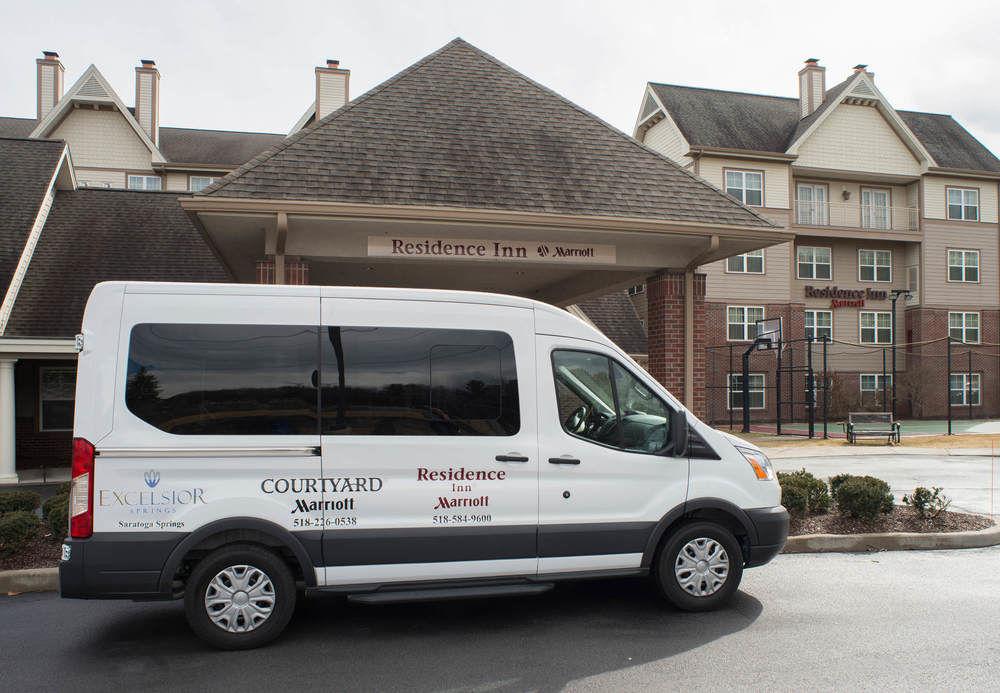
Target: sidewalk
[{"x": 778, "y": 452}]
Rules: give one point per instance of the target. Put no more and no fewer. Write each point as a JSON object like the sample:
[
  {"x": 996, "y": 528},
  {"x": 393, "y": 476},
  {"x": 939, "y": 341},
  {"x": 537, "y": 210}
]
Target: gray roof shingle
[
  {"x": 16, "y": 127},
  {"x": 737, "y": 120},
  {"x": 95, "y": 235},
  {"x": 214, "y": 147},
  {"x": 26, "y": 168},
  {"x": 615, "y": 316},
  {"x": 461, "y": 129}
]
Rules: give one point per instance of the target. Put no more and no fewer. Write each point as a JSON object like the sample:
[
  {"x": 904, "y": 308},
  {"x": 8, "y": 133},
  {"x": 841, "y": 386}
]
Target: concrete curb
[
  {"x": 892, "y": 541},
  {"x": 29, "y": 580}
]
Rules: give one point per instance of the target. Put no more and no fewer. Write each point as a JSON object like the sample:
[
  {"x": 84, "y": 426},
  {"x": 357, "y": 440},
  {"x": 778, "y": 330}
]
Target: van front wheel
[
  {"x": 239, "y": 597},
  {"x": 700, "y": 567}
]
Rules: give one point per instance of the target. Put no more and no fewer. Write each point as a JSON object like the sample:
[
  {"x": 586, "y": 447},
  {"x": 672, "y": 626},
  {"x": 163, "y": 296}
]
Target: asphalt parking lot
[{"x": 902, "y": 620}]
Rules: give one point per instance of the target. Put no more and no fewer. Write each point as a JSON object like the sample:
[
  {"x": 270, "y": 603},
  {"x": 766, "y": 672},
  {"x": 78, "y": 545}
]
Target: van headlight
[{"x": 758, "y": 460}]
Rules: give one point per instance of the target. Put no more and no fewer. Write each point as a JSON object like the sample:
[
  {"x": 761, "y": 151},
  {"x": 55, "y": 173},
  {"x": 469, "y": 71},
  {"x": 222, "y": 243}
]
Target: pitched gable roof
[
  {"x": 225, "y": 148},
  {"x": 614, "y": 314},
  {"x": 461, "y": 129},
  {"x": 16, "y": 127},
  {"x": 951, "y": 145}
]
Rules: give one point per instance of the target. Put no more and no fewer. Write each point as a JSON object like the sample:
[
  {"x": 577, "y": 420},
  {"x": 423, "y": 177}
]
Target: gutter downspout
[{"x": 713, "y": 245}]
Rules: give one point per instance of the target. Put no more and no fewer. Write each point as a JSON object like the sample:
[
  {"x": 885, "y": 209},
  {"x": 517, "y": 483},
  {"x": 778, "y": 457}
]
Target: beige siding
[
  {"x": 100, "y": 178},
  {"x": 938, "y": 291},
  {"x": 667, "y": 139},
  {"x": 902, "y": 202},
  {"x": 857, "y": 138},
  {"x": 332, "y": 92},
  {"x": 770, "y": 287},
  {"x": 47, "y": 87},
  {"x": 144, "y": 107},
  {"x": 177, "y": 181},
  {"x": 103, "y": 139},
  {"x": 775, "y": 176},
  {"x": 935, "y": 200}
]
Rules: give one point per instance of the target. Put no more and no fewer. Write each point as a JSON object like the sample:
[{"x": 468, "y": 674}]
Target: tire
[
  {"x": 254, "y": 616},
  {"x": 700, "y": 592}
]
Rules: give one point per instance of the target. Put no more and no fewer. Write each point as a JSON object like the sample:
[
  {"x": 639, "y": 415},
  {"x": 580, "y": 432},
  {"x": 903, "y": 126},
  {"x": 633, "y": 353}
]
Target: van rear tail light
[{"x": 81, "y": 492}]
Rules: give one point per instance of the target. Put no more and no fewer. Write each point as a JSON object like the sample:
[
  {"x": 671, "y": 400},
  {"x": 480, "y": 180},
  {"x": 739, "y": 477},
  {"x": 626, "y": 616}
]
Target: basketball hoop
[{"x": 768, "y": 334}]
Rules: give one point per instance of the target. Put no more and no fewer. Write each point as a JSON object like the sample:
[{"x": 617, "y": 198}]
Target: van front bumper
[
  {"x": 115, "y": 565},
  {"x": 771, "y": 525}
]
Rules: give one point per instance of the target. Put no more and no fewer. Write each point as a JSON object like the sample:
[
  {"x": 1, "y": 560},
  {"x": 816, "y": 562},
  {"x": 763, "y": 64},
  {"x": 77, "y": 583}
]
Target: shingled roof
[
  {"x": 26, "y": 169},
  {"x": 614, "y": 314},
  {"x": 214, "y": 147},
  {"x": 738, "y": 120},
  {"x": 461, "y": 129},
  {"x": 95, "y": 235}
]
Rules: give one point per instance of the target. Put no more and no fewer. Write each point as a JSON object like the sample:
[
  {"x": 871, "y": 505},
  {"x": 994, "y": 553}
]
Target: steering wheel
[{"x": 577, "y": 421}]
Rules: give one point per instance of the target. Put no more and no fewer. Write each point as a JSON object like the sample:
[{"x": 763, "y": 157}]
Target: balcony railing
[{"x": 873, "y": 217}]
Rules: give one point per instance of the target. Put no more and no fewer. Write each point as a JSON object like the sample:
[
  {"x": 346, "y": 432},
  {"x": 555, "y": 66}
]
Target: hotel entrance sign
[{"x": 431, "y": 248}]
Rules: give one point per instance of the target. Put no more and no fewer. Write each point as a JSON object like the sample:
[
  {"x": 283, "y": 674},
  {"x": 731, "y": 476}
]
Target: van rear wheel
[
  {"x": 239, "y": 597},
  {"x": 700, "y": 567}
]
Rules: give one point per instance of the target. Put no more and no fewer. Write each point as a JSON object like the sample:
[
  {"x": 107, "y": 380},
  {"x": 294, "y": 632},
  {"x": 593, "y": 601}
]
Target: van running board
[{"x": 450, "y": 593}]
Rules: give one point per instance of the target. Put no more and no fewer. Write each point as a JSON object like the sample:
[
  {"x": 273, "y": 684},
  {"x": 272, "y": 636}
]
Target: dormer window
[{"x": 746, "y": 187}]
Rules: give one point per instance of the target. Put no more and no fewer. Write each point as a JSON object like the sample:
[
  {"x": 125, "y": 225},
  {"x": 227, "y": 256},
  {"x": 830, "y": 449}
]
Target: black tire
[
  {"x": 669, "y": 583},
  {"x": 282, "y": 597}
]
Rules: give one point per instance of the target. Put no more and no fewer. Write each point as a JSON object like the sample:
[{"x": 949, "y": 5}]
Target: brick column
[{"x": 666, "y": 334}]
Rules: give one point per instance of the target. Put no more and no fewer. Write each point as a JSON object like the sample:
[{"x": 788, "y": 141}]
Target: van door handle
[
  {"x": 563, "y": 460},
  {"x": 512, "y": 457}
]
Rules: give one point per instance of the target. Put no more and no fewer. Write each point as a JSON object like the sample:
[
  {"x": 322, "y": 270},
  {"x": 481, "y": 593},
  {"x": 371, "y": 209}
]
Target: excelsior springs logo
[
  {"x": 162, "y": 501},
  {"x": 152, "y": 478}
]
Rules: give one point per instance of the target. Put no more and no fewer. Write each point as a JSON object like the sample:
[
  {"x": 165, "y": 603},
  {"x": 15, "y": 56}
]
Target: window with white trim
[
  {"x": 963, "y": 204},
  {"x": 144, "y": 182},
  {"x": 747, "y": 263},
  {"x": 875, "y": 265},
  {"x": 965, "y": 389},
  {"x": 819, "y": 324},
  {"x": 746, "y": 187},
  {"x": 875, "y": 382},
  {"x": 814, "y": 263},
  {"x": 875, "y": 327},
  {"x": 196, "y": 183},
  {"x": 964, "y": 327},
  {"x": 963, "y": 266},
  {"x": 56, "y": 387},
  {"x": 875, "y": 213},
  {"x": 741, "y": 322},
  {"x": 811, "y": 204},
  {"x": 755, "y": 393}
]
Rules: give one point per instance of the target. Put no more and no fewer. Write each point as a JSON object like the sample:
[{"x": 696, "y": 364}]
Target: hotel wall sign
[
  {"x": 847, "y": 298},
  {"x": 430, "y": 248}
]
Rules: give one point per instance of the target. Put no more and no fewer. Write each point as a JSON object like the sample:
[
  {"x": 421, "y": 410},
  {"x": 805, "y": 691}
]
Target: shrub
[
  {"x": 19, "y": 501},
  {"x": 928, "y": 502},
  {"x": 63, "y": 488},
  {"x": 836, "y": 481},
  {"x": 802, "y": 492},
  {"x": 17, "y": 529},
  {"x": 863, "y": 497},
  {"x": 56, "y": 512}
]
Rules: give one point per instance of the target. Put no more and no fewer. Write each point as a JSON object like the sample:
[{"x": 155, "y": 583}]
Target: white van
[{"x": 235, "y": 445}]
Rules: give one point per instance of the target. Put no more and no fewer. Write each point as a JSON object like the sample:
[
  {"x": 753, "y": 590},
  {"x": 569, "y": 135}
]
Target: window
[
  {"x": 964, "y": 389},
  {"x": 196, "y": 183},
  {"x": 811, "y": 205},
  {"x": 964, "y": 327},
  {"x": 144, "y": 183},
  {"x": 875, "y": 388},
  {"x": 963, "y": 204},
  {"x": 963, "y": 266},
  {"x": 747, "y": 263},
  {"x": 741, "y": 322},
  {"x": 819, "y": 324},
  {"x": 755, "y": 392},
  {"x": 601, "y": 401},
  {"x": 876, "y": 327},
  {"x": 637, "y": 289},
  {"x": 400, "y": 381},
  {"x": 56, "y": 386},
  {"x": 814, "y": 263},
  {"x": 875, "y": 208},
  {"x": 746, "y": 187},
  {"x": 875, "y": 265}
]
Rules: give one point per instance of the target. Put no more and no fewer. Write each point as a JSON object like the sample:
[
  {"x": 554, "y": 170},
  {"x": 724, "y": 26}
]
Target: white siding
[
  {"x": 103, "y": 139},
  {"x": 857, "y": 138},
  {"x": 935, "y": 201},
  {"x": 332, "y": 92},
  {"x": 775, "y": 176},
  {"x": 667, "y": 139}
]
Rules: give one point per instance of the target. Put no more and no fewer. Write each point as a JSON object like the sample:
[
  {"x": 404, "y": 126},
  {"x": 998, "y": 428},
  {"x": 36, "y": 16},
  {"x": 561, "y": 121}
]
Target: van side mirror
[{"x": 678, "y": 434}]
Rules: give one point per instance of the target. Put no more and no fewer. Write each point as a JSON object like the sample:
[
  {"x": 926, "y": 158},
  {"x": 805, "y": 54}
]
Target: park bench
[{"x": 869, "y": 424}]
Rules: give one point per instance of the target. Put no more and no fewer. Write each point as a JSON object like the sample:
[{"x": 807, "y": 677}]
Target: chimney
[
  {"x": 147, "y": 99},
  {"x": 812, "y": 86},
  {"x": 332, "y": 88},
  {"x": 50, "y": 82}
]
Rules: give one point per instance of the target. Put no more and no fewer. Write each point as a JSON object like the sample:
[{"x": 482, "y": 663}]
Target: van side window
[
  {"x": 599, "y": 400},
  {"x": 224, "y": 379},
  {"x": 418, "y": 381}
]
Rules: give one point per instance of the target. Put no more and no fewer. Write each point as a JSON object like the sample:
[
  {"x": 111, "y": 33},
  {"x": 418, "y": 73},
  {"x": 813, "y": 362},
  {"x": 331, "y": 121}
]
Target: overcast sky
[{"x": 248, "y": 65}]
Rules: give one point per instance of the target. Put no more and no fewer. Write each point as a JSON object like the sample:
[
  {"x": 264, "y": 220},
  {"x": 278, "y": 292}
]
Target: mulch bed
[
  {"x": 901, "y": 519},
  {"x": 43, "y": 552}
]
